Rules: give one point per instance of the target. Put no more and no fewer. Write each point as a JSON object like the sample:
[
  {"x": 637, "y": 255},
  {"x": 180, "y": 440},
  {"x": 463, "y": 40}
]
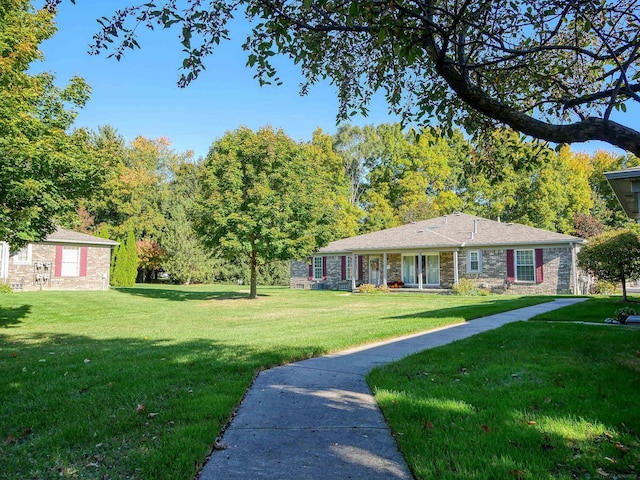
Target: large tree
[
  {"x": 554, "y": 70},
  {"x": 265, "y": 198},
  {"x": 44, "y": 168}
]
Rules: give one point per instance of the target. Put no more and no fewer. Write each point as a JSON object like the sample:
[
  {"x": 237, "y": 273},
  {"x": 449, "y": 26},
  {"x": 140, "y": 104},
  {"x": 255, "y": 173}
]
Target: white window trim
[
  {"x": 76, "y": 273},
  {"x": 348, "y": 267},
  {"x": 408, "y": 282},
  {"x": 515, "y": 265},
  {"x": 479, "y": 269},
  {"x": 315, "y": 268},
  {"x": 29, "y": 256}
]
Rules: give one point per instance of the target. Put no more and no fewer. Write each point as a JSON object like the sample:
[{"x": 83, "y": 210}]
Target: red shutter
[
  {"x": 311, "y": 268},
  {"x": 511, "y": 274},
  {"x": 83, "y": 261},
  {"x": 57, "y": 271},
  {"x": 539, "y": 264},
  {"x": 324, "y": 267},
  {"x": 344, "y": 267},
  {"x": 360, "y": 267}
]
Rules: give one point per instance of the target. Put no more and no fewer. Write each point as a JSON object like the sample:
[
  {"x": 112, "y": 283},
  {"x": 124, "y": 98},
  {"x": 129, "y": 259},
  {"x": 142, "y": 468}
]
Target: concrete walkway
[{"x": 317, "y": 419}]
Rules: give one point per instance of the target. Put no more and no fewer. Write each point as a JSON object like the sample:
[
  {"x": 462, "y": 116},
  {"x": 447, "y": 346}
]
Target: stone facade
[
  {"x": 557, "y": 271},
  {"x": 39, "y": 273},
  {"x": 558, "y": 275}
]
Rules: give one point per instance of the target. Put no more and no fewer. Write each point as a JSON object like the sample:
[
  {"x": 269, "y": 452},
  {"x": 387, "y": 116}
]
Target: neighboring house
[
  {"x": 437, "y": 253},
  {"x": 626, "y": 185},
  {"x": 65, "y": 260}
]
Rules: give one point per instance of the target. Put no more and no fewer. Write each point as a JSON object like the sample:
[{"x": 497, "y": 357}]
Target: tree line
[{"x": 260, "y": 198}]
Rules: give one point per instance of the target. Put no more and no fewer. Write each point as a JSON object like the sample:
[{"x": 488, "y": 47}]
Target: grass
[
  {"x": 595, "y": 309},
  {"x": 526, "y": 401},
  {"x": 137, "y": 383}
]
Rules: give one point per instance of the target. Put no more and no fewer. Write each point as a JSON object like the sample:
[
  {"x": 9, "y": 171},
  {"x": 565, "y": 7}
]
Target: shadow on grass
[
  {"x": 526, "y": 396},
  {"x": 143, "y": 407},
  {"x": 180, "y": 295},
  {"x": 13, "y": 316},
  {"x": 469, "y": 312}
]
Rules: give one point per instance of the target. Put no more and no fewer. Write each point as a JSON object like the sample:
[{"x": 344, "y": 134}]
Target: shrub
[
  {"x": 623, "y": 313},
  {"x": 466, "y": 287},
  {"x": 604, "y": 287},
  {"x": 367, "y": 288},
  {"x": 5, "y": 288}
]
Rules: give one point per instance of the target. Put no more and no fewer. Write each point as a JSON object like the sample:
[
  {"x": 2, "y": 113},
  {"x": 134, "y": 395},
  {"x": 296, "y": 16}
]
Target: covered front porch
[{"x": 429, "y": 270}]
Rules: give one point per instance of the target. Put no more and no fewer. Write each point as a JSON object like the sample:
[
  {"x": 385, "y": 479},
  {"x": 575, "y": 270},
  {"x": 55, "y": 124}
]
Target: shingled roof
[
  {"x": 451, "y": 231},
  {"x": 67, "y": 236}
]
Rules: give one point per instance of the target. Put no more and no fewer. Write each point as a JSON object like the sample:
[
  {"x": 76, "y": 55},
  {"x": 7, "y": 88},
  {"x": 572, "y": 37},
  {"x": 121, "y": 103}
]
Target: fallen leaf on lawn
[
  {"x": 608, "y": 435},
  {"x": 517, "y": 473},
  {"x": 531, "y": 422},
  {"x": 609, "y": 459},
  {"x": 428, "y": 425},
  {"x": 140, "y": 407},
  {"x": 152, "y": 414},
  {"x": 486, "y": 428},
  {"x": 219, "y": 446},
  {"x": 10, "y": 439},
  {"x": 602, "y": 472},
  {"x": 14, "y": 355},
  {"x": 621, "y": 447}
]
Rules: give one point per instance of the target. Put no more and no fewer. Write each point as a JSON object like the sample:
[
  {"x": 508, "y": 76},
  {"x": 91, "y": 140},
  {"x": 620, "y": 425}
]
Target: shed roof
[
  {"x": 68, "y": 236},
  {"x": 450, "y": 231}
]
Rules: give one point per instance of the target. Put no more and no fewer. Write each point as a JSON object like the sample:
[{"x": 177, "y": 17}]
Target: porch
[{"x": 411, "y": 271}]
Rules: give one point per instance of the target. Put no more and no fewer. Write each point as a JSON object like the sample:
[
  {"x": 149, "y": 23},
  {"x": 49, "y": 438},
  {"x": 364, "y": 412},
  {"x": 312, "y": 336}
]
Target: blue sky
[{"x": 139, "y": 96}]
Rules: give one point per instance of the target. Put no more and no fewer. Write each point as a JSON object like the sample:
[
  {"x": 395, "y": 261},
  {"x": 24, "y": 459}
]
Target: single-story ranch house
[
  {"x": 437, "y": 253},
  {"x": 64, "y": 260}
]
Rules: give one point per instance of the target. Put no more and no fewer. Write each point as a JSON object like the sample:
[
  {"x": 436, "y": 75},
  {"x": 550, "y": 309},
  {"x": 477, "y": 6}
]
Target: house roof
[
  {"x": 67, "y": 236},
  {"x": 626, "y": 185},
  {"x": 451, "y": 231}
]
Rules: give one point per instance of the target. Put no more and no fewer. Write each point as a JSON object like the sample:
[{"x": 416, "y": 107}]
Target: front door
[{"x": 374, "y": 271}]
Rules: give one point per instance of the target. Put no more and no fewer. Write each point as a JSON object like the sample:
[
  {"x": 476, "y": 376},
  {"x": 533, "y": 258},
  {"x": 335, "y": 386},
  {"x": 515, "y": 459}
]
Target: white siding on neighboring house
[{"x": 4, "y": 261}]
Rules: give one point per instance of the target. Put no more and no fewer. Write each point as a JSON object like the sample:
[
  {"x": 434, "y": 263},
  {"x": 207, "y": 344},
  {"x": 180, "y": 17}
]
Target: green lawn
[
  {"x": 595, "y": 309},
  {"x": 137, "y": 383},
  {"x": 527, "y": 401}
]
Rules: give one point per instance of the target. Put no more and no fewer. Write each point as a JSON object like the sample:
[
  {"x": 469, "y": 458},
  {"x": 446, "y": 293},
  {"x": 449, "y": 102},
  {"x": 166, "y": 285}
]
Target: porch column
[
  {"x": 354, "y": 271},
  {"x": 420, "y": 271},
  {"x": 455, "y": 267},
  {"x": 574, "y": 269},
  {"x": 384, "y": 269}
]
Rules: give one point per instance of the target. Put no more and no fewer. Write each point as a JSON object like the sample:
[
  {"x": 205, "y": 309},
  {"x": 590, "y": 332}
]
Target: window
[
  {"x": 348, "y": 267},
  {"x": 70, "y": 266},
  {"x": 525, "y": 266},
  {"x": 317, "y": 267},
  {"x": 474, "y": 263},
  {"x": 23, "y": 256}
]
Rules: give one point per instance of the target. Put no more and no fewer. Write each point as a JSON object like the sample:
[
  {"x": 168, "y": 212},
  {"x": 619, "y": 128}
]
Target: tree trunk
[
  {"x": 253, "y": 292},
  {"x": 624, "y": 289}
]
